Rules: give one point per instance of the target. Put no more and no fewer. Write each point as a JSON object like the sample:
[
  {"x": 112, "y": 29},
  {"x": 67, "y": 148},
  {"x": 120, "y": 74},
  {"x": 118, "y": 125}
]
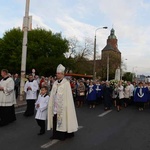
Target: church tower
[{"x": 111, "y": 52}]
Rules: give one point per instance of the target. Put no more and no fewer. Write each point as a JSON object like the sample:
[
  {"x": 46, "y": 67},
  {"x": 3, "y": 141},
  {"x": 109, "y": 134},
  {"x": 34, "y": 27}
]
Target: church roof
[{"x": 108, "y": 47}]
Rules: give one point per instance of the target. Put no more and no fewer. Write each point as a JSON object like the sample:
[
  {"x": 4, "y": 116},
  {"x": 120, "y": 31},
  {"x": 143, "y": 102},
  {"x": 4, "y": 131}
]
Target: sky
[{"x": 80, "y": 19}]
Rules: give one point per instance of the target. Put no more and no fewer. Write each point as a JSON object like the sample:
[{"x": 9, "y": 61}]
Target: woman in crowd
[
  {"x": 141, "y": 96},
  {"x": 120, "y": 96},
  {"x": 114, "y": 94},
  {"x": 80, "y": 94},
  {"x": 127, "y": 95},
  {"x": 99, "y": 92},
  {"x": 107, "y": 95}
]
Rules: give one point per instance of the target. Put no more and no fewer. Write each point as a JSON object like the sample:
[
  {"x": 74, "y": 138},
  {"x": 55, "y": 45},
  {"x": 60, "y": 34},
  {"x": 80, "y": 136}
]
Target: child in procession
[
  {"x": 91, "y": 95},
  {"x": 41, "y": 107}
]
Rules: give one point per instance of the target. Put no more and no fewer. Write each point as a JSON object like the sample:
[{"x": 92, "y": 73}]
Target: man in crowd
[
  {"x": 7, "y": 99},
  {"x": 17, "y": 83}
]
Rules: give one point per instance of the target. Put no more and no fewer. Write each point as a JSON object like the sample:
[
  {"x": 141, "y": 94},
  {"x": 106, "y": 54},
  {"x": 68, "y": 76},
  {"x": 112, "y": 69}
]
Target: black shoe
[{"x": 105, "y": 109}]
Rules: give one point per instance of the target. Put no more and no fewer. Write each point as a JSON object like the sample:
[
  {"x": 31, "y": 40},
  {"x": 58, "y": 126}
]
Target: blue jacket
[
  {"x": 91, "y": 93},
  {"x": 99, "y": 90},
  {"x": 141, "y": 94}
]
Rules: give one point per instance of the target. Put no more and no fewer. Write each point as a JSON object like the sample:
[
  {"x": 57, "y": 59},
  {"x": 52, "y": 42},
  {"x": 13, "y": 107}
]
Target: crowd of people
[
  {"x": 56, "y": 96},
  {"x": 92, "y": 93},
  {"x": 119, "y": 94}
]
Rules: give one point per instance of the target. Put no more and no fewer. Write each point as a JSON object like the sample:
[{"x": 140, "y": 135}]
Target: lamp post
[
  {"x": 133, "y": 73},
  {"x": 94, "y": 60},
  {"x": 24, "y": 48},
  {"x": 121, "y": 68}
]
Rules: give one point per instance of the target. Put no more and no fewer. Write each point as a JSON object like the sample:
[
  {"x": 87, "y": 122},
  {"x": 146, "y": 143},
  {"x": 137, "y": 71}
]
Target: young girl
[
  {"x": 91, "y": 95},
  {"x": 41, "y": 107}
]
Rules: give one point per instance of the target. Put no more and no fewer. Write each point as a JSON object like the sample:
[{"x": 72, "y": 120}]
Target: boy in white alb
[
  {"x": 41, "y": 107},
  {"x": 30, "y": 88}
]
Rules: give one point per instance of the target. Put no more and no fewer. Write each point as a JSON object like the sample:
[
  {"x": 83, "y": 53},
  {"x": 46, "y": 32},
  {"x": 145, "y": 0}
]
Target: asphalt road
[{"x": 128, "y": 129}]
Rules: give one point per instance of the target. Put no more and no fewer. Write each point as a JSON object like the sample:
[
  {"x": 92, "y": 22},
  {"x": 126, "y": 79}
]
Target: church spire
[{"x": 112, "y": 34}]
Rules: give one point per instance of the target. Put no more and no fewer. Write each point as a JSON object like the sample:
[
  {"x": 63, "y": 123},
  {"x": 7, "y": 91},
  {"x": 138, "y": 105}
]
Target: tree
[
  {"x": 81, "y": 54},
  {"x": 128, "y": 76},
  {"x": 10, "y": 49},
  {"x": 44, "y": 52}
]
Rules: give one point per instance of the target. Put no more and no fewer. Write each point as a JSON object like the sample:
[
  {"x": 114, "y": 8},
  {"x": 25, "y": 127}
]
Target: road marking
[
  {"x": 105, "y": 113},
  {"x": 52, "y": 142},
  {"x": 80, "y": 127},
  {"x": 20, "y": 112}
]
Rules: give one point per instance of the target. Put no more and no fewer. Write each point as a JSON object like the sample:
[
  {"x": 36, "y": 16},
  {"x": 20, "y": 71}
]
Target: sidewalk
[{"x": 20, "y": 103}]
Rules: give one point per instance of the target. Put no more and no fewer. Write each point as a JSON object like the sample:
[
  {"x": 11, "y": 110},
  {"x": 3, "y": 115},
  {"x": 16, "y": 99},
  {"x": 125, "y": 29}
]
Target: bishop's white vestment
[{"x": 61, "y": 103}]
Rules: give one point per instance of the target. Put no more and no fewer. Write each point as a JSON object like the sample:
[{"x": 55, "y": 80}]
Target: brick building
[{"x": 110, "y": 50}]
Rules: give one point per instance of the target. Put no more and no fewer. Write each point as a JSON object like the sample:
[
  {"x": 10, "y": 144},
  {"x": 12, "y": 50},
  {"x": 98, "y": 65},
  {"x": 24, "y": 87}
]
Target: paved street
[{"x": 126, "y": 130}]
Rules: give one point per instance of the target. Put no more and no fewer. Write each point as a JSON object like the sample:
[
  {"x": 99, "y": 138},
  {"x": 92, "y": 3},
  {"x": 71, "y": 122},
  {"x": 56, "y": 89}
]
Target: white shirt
[
  {"x": 7, "y": 97},
  {"x": 127, "y": 92},
  {"x": 131, "y": 89},
  {"x": 41, "y": 113},
  {"x": 31, "y": 94},
  {"x": 121, "y": 92}
]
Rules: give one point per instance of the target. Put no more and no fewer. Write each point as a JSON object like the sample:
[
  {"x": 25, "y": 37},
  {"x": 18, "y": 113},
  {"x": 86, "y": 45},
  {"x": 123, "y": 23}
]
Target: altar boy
[
  {"x": 30, "y": 89},
  {"x": 41, "y": 107}
]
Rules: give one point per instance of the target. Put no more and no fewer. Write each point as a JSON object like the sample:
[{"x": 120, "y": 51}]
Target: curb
[{"x": 20, "y": 105}]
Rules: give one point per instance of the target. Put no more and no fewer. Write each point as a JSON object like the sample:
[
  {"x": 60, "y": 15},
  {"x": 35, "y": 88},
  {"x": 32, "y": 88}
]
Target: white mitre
[{"x": 60, "y": 68}]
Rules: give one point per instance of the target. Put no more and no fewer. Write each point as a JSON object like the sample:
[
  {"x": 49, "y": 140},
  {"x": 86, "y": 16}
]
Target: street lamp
[
  {"x": 94, "y": 60},
  {"x": 134, "y": 73},
  {"x": 121, "y": 68},
  {"x": 24, "y": 48}
]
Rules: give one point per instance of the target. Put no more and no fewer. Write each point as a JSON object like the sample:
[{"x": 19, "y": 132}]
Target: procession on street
[{"x": 56, "y": 98}]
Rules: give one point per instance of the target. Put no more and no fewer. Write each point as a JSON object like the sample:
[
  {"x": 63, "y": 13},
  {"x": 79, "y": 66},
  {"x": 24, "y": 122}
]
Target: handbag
[{"x": 82, "y": 94}]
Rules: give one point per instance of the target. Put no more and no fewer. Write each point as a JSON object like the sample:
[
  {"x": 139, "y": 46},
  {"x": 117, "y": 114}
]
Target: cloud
[
  {"x": 80, "y": 18},
  {"x": 37, "y": 21},
  {"x": 82, "y": 31}
]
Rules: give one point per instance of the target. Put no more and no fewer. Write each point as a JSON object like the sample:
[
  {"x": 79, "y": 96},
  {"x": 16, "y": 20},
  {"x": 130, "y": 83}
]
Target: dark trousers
[
  {"x": 98, "y": 100},
  {"x": 57, "y": 134},
  {"x": 92, "y": 102},
  {"x": 126, "y": 100},
  {"x": 107, "y": 102},
  {"x": 30, "y": 108},
  {"x": 7, "y": 115},
  {"x": 41, "y": 123},
  {"x": 140, "y": 104},
  {"x": 119, "y": 102}
]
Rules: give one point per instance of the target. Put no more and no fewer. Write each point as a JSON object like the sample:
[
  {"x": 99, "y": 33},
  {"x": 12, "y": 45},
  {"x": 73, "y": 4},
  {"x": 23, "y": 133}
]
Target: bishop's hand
[{"x": 1, "y": 89}]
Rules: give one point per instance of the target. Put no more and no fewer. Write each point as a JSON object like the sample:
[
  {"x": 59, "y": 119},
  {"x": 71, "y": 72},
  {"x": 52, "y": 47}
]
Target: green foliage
[
  {"x": 10, "y": 49},
  {"x": 45, "y": 50},
  {"x": 83, "y": 65},
  {"x": 128, "y": 76}
]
